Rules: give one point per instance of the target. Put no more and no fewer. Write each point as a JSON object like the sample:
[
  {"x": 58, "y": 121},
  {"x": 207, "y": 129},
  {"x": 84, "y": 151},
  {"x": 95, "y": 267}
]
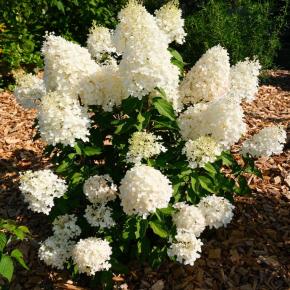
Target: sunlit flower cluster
[
  {"x": 65, "y": 227},
  {"x": 222, "y": 119},
  {"x": 144, "y": 189},
  {"x": 143, "y": 145},
  {"x": 62, "y": 120},
  {"x": 268, "y": 141},
  {"x": 39, "y": 189},
  {"x": 216, "y": 210},
  {"x": 244, "y": 79},
  {"x": 208, "y": 79},
  {"x": 169, "y": 20},
  {"x": 99, "y": 42},
  {"x": 92, "y": 255},
  {"x": 29, "y": 90},
  {"x": 201, "y": 151}
]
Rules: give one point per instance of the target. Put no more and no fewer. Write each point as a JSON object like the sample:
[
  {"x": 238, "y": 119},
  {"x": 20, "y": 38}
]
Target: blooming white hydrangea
[
  {"x": 100, "y": 189},
  {"x": 188, "y": 218},
  {"x": 29, "y": 90},
  {"x": 62, "y": 120},
  {"x": 65, "y": 227},
  {"x": 169, "y": 20},
  {"x": 143, "y": 145},
  {"x": 244, "y": 79},
  {"x": 186, "y": 249},
  {"x": 40, "y": 188},
  {"x": 100, "y": 41},
  {"x": 99, "y": 216},
  {"x": 146, "y": 61},
  {"x": 92, "y": 255},
  {"x": 221, "y": 119},
  {"x": 66, "y": 64},
  {"x": 217, "y": 211},
  {"x": 268, "y": 141},
  {"x": 144, "y": 189},
  {"x": 208, "y": 79},
  {"x": 55, "y": 252},
  {"x": 104, "y": 88},
  {"x": 201, "y": 151}
]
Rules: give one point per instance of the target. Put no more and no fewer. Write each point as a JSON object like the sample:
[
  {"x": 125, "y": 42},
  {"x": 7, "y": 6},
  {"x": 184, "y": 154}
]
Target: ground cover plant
[{"x": 141, "y": 149}]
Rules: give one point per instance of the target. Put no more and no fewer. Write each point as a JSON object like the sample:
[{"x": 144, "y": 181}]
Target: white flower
[
  {"x": 244, "y": 79},
  {"x": 65, "y": 227},
  {"x": 29, "y": 90},
  {"x": 40, "y": 188},
  {"x": 217, "y": 211},
  {"x": 143, "y": 145},
  {"x": 66, "y": 65},
  {"x": 169, "y": 20},
  {"x": 55, "y": 252},
  {"x": 92, "y": 255},
  {"x": 99, "y": 216},
  {"x": 144, "y": 189},
  {"x": 104, "y": 88},
  {"x": 99, "y": 42},
  {"x": 221, "y": 119},
  {"x": 268, "y": 141},
  {"x": 186, "y": 249},
  {"x": 62, "y": 120},
  {"x": 100, "y": 189},
  {"x": 188, "y": 218},
  {"x": 146, "y": 61},
  {"x": 201, "y": 151},
  {"x": 208, "y": 79}
]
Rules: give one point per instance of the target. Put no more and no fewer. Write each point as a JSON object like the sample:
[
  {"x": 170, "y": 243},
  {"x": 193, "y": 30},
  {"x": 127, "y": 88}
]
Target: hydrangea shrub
[{"x": 140, "y": 148}]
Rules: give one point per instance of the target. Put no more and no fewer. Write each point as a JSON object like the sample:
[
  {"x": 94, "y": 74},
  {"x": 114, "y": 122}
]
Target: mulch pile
[{"x": 252, "y": 253}]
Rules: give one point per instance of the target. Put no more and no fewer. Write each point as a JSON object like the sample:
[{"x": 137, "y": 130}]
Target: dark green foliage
[
  {"x": 246, "y": 28},
  {"x": 25, "y": 22}
]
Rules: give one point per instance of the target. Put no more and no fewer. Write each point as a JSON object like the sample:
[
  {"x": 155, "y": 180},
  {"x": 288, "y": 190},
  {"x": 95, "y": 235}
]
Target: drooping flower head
[{"x": 268, "y": 141}]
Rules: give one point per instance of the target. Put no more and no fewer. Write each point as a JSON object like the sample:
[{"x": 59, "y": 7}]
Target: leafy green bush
[
  {"x": 24, "y": 24},
  {"x": 246, "y": 28},
  {"x": 9, "y": 233}
]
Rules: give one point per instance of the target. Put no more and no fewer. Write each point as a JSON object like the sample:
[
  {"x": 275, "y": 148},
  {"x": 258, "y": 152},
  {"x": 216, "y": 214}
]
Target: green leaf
[
  {"x": 210, "y": 168},
  {"x": 176, "y": 55},
  {"x": 91, "y": 151},
  {"x": 3, "y": 241},
  {"x": 76, "y": 178},
  {"x": 6, "y": 267},
  {"x": 167, "y": 210},
  {"x": 64, "y": 166},
  {"x": 164, "y": 108},
  {"x": 206, "y": 184},
  {"x": 78, "y": 149},
  {"x": 142, "y": 226},
  {"x": 18, "y": 256},
  {"x": 159, "y": 228}
]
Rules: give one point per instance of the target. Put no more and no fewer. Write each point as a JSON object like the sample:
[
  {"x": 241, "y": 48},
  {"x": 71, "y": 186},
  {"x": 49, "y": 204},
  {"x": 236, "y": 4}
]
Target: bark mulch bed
[{"x": 252, "y": 253}]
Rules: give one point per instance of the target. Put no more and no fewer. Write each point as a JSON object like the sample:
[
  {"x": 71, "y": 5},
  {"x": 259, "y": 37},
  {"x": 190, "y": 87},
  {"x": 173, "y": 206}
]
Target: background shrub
[{"x": 245, "y": 27}]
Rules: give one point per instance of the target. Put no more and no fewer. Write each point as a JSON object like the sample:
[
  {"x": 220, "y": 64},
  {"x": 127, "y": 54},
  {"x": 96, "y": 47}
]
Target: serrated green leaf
[
  {"x": 18, "y": 256},
  {"x": 164, "y": 108},
  {"x": 159, "y": 229},
  {"x": 6, "y": 267},
  {"x": 206, "y": 184},
  {"x": 92, "y": 151}
]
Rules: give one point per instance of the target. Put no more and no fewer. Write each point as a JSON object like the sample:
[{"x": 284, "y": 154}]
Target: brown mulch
[{"x": 252, "y": 253}]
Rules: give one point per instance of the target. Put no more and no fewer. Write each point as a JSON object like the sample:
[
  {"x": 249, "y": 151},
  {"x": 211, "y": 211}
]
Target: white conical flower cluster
[{"x": 268, "y": 141}]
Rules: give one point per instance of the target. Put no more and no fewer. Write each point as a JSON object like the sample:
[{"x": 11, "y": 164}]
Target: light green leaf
[
  {"x": 91, "y": 151},
  {"x": 159, "y": 229},
  {"x": 206, "y": 184},
  {"x": 18, "y": 256},
  {"x": 164, "y": 108},
  {"x": 3, "y": 241},
  {"x": 6, "y": 267}
]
